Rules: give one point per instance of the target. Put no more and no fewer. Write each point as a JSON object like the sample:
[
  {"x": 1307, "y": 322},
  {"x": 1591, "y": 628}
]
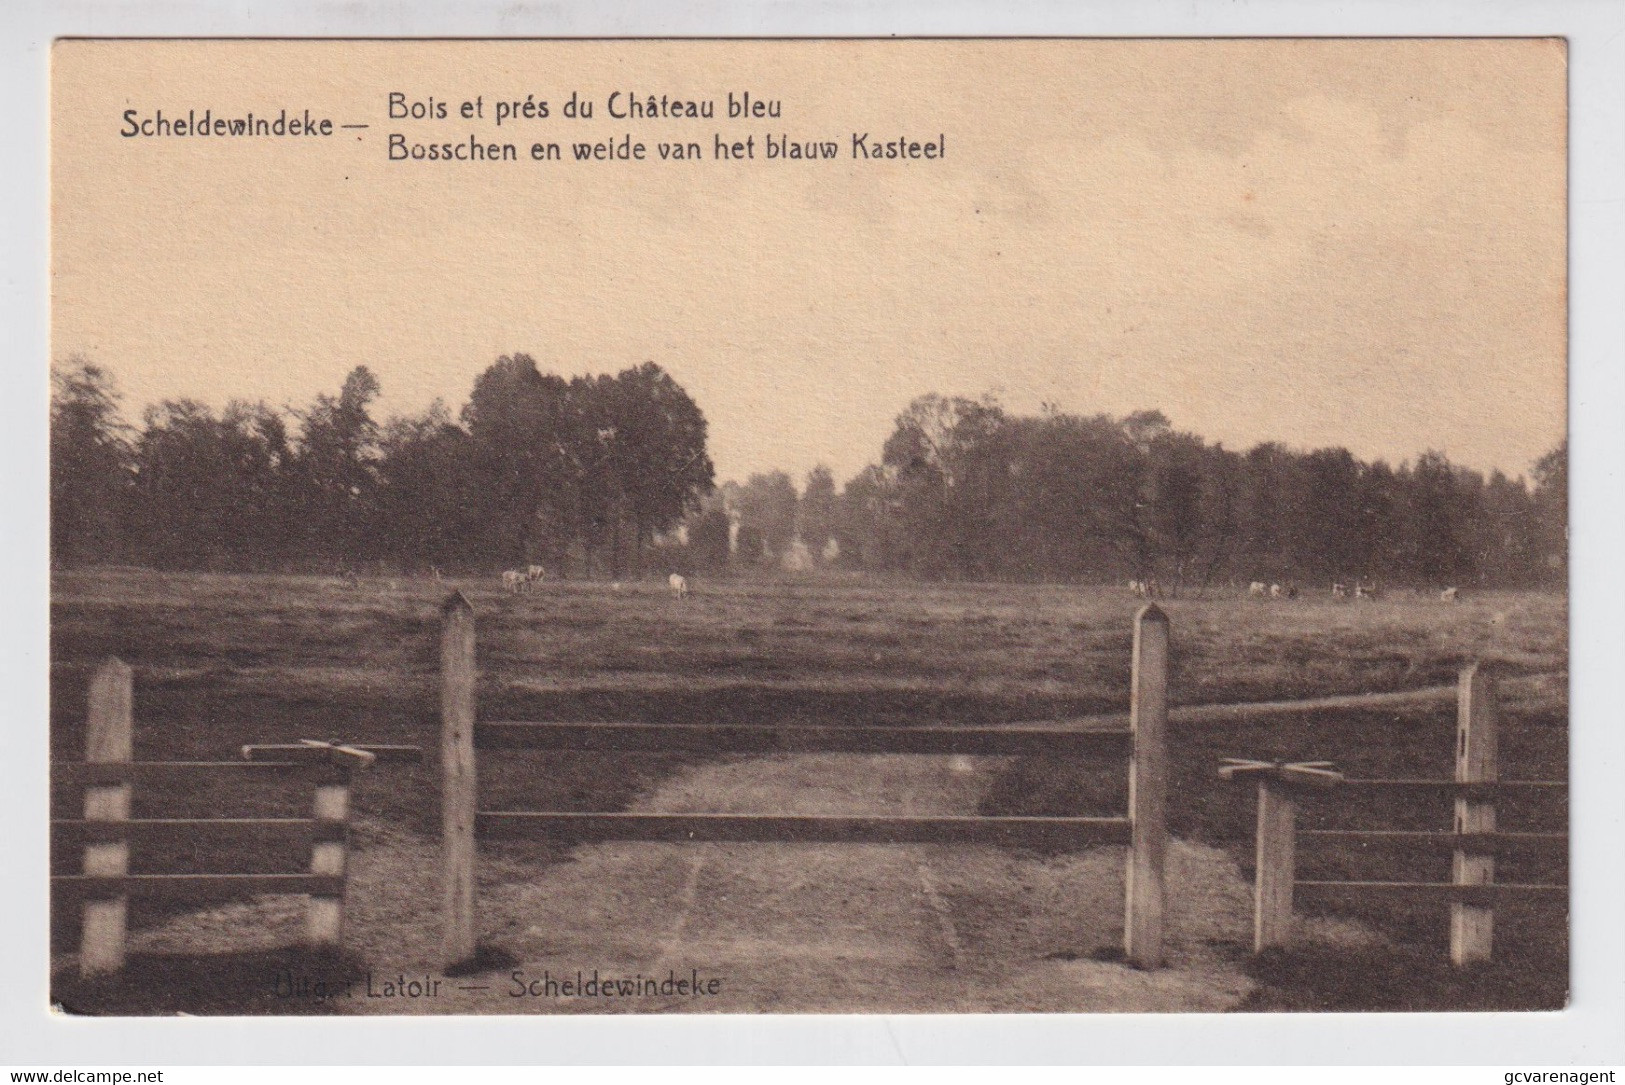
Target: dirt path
[
  {"x": 833, "y": 928},
  {"x": 785, "y": 928}
]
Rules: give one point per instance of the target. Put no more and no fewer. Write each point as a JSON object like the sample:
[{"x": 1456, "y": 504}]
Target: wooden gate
[{"x": 1142, "y": 744}]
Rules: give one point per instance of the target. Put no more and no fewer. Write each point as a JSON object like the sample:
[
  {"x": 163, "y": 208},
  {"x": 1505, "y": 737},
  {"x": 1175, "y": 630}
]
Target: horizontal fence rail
[
  {"x": 1479, "y": 895},
  {"x": 85, "y": 773},
  {"x": 196, "y": 886},
  {"x": 1493, "y": 843},
  {"x": 145, "y": 830},
  {"x": 1465, "y": 789},
  {"x": 800, "y": 738},
  {"x": 1243, "y": 711},
  {"x": 806, "y": 829}
]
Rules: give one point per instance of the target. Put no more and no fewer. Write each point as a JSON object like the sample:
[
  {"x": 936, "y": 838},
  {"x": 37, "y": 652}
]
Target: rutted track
[{"x": 801, "y": 928}]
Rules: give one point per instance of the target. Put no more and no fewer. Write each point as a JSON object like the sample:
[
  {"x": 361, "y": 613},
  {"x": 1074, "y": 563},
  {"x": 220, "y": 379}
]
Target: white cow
[
  {"x": 1257, "y": 589},
  {"x": 1275, "y": 591},
  {"x": 1448, "y": 595},
  {"x": 1339, "y": 591},
  {"x": 679, "y": 585},
  {"x": 515, "y": 581}
]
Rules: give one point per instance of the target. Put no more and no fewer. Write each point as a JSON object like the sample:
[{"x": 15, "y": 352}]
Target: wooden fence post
[
  {"x": 458, "y": 790},
  {"x": 1147, "y": 789},
  {"x": 1275, "y": 866},
  {"x": 1472, "y": 927},
  {"x": 324, "y": 916},
  {"x": 109, "y": 737}
]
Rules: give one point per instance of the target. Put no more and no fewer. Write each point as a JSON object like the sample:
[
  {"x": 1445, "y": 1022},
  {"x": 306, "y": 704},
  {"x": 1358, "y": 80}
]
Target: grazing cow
[
  {"x": 679, "y": 585},
  {"x": 1448, "y": 595},
  {"x": 515, "y": 581},
  {"x": 1257, "y": 589},
  {"x": 1340, "y": 591},
  {"x": 1275, "y": 591}
]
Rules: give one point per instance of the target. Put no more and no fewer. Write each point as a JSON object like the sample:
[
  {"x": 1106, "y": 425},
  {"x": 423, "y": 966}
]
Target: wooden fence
[
  {"x": 1143, "y": 744},
  {"x": 1473, "y": 844},
  {"x": 106, "y": 833}
]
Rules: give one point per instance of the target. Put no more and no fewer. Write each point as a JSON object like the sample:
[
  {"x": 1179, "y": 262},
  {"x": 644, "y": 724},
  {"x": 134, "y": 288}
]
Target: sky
[{"x": 1354, "y": 243}]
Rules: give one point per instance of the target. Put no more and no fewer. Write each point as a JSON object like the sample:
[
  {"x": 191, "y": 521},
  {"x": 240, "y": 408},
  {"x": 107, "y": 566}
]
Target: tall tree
[
  {"x": 528, "y": 459},
  {"x": 429, "y": 506},
  {"x": 1271, "y": 490},
  {"x": 209, "y": 488},
  {"x": 867, "y": 520},
  {"x": 1504, "y": 533},
  {"x": 1172, "y": 498},
  {"x": 816, "y": 514},
  {"x": 1077, "y": 497},
  {"x": 939, "y": 458},
  {"x": 1551, "y": 501},
  {"x": 1435, "y": 513},
  {"x": 335, "y": 468},
  {"x": 1329, "y": 544},
  {"x": 1379, "y": 525},
  {"x": 708, "y": 536},
  {"x": 657, "y": 452},
  {"x": 90, "y": 465},
  {"x": 767, "y": 517}
]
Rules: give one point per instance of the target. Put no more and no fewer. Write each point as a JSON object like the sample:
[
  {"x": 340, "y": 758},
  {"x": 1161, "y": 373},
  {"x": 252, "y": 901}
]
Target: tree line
[
  {"x": 535, "y": 468},
  {"x": 967, "y": 490},
  {"x": 586, "y": 475}
]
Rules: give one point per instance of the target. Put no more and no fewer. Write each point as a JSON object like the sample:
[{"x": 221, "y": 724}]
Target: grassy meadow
[{"x": 222, "y": 660}]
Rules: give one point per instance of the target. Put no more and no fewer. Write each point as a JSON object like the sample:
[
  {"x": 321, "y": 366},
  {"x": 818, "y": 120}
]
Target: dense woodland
[
  {"x": 608, "y": 475},
  {"x": 534, "y": 468}
]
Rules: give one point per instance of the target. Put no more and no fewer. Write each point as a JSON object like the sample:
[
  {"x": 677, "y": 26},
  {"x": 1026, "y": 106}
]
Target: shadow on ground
[
  {"x": 280, "y": 982},
  {"x": 1398, "y": 978}
]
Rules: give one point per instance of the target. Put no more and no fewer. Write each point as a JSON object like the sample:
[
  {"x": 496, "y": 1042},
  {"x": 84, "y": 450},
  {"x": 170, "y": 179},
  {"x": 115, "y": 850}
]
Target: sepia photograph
[{"x": 809, "y": 526}]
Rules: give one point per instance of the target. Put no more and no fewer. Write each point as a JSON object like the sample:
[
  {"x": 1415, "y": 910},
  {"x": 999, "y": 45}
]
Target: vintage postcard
[{"x": 791, "y": 526}]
